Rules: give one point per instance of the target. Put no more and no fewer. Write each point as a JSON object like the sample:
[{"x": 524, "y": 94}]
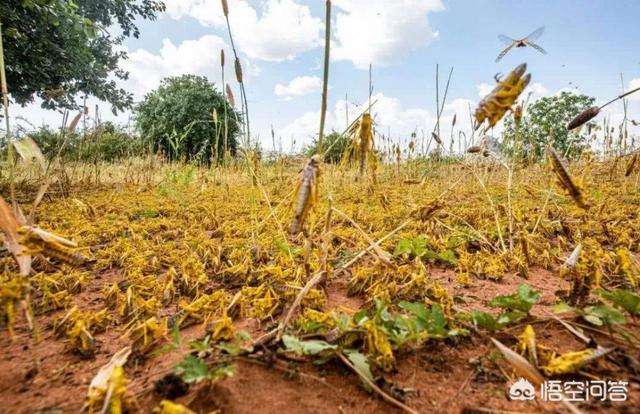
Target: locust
[
  {"x": 38, "y": 241},
  {"x": 307, "y": 193},
  {"x": 502, "y": 98}
]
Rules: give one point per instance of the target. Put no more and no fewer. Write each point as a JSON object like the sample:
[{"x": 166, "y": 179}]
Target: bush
[
  {"x": 106, "y": 142},
  {"x": 546, "y": 122},
  {"x": 177, "y": 118},
  {"x": 334, "y": 146}
]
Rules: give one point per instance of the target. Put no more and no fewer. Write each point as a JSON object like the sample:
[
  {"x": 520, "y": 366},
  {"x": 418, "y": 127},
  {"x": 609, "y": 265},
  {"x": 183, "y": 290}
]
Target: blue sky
[{"x": 589, "y": 43}]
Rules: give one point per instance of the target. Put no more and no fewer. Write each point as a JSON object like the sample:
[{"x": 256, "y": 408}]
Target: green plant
[
  {"x": 516, "y": 307},
  {"x": 419, "y": 247},
  {"x": 60, "y": 50},
  {"x": 624, "y": 299},
  {"x": 545, "y": 121},
  {"x": 335, "y": 145},
  {"x": 177, "y": 119},
  {"x": 193, "y": 369}
]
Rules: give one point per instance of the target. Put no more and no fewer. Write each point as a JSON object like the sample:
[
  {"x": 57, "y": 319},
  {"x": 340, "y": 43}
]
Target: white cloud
[
  {"x": 634, "y": 83},
  {"x": 201, "y": 57},
  {"x": 484, "y": 89},
  {"x": 389, "y": 115},
  {"x": 302, "y": 85},
  {"x": 381, "y": 31},
  {"x": 283, "y": 30}
]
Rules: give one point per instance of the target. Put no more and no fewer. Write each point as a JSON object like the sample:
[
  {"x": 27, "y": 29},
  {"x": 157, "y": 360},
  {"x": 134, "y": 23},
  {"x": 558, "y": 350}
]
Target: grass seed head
[
  {"x": 225, "y": 8},
  {"x": 583, "y": 117},
  {"x": 232, "y": 100},
  {"x": 238, "y": 67}
]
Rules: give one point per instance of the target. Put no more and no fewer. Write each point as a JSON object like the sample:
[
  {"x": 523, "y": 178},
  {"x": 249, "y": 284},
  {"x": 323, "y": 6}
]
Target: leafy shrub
[
  {"x": 177, "y": 118},
  {"x": 334, "y": 147},
  {"x": 103, "y": 143},
  {"x": 545, "y": 121}
]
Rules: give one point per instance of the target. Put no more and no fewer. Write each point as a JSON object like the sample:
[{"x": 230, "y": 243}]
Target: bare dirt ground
[{"x": 44, "y": 377}]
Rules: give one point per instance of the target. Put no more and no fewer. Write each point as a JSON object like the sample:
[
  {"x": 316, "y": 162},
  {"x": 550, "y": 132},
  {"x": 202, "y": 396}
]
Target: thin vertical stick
[
  {"x": 225, "y": 9},
  {"x": 346, "y": 110},
  {"x": 437, "y": 101},
  {"x": 325, "y": 82},
  {"x": 5, "y": 104},
  {"x": 370, "y": 85}
]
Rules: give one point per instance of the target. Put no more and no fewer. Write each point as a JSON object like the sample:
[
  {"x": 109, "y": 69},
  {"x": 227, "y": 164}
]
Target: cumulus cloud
[
  {"x": 302, "y": 85},
  {"x": 281, "y": 31},
  {"x": 634, "y": 83},
  {"x": 381, "y": 31},
  {"x": 201, "y": 57},
  {"x": 389, "y": 115}
]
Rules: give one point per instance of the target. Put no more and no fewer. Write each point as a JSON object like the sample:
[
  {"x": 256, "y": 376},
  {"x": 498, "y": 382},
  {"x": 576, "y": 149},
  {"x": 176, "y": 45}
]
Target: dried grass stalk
[{"x": 631, "y": 165}]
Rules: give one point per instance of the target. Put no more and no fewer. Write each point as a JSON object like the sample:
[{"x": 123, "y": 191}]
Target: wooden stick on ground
[{"x": 296, "y": 303}]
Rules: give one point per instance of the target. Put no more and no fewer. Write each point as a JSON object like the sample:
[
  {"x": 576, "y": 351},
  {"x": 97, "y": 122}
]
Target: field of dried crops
[{"x": 389, "y": 300}]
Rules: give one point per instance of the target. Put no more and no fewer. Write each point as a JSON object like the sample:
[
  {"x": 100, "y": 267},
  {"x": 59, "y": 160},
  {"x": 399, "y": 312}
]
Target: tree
[
  {"x": 60, "y": 50},
  {"x": 178, "y": 119},
  {"x": 546, "y": 122},
  {"x": 334, "y": 146}
]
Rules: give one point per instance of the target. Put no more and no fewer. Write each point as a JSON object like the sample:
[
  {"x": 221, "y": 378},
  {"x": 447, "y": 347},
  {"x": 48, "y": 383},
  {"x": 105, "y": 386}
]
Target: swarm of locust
[
  {"x": 306, "y": 193},
  {"x": 502, "y": 98}
]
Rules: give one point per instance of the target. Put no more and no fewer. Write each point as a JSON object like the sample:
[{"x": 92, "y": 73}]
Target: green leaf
[
  {"x": 510, "y": 317},
  {"x": 522, "y": 301},
  {"x": 610, "y": 316},
  {"x": 360, "y": 362},
  {"x": 311, "y": 347},
  {"x": 625, "y": 299},
  {"x": 192, "y": 369},
  {"x": 202, "y": 345},
  {"x": 484, "y": 320},
  {"x": 593, "y": 320},
  {"x": 233, "y": 349},
  {"x": 562, "y": 307},
  {"x": 416, "y": 247}
]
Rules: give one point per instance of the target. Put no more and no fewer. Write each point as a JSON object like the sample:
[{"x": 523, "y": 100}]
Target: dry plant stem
[
  {"x": 495, "y": 211},
  {"x": 381, "y": 254},
  {"x": 242, "y": 90},
  {"x": 266, "y": 198},
  {"x": 296, "y": 303},
  {"x": 375, "y": 388},
  {"x": 466, "y": 223},
  {"x": 377, "y": 243},
  {"x": 5, "y": 104},
  {"x": 325, "y": 82},
  {"x": 509, "y": 205},
  {"x": 326, "y": 240}
]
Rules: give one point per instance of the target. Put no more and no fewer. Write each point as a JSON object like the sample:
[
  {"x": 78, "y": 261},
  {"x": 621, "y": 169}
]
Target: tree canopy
[
  {"x": 59, "y": 50},
  {"x": 545, "y": 122},
  {"x": 178, "y": 119}
]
